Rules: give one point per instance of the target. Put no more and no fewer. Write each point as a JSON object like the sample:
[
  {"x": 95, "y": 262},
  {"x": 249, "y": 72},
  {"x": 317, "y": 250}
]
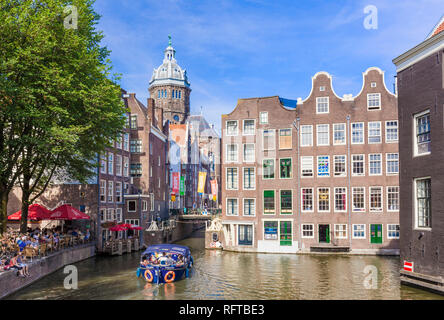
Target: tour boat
[{"x": 168, "y": 270}]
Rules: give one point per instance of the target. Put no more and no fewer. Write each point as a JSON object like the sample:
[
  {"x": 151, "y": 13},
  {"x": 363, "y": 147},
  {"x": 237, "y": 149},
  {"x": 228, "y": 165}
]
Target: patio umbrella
[
  {"x": 36, "y": 212},
  {"x": 136, "y": 228},
  {"x": 66, "y": 212},
  {"x": 126, "y": 225},
  {"x": 118, "y": 228}
]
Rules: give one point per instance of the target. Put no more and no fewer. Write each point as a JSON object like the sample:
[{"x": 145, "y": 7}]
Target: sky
[{"x": 235, "y": 49}]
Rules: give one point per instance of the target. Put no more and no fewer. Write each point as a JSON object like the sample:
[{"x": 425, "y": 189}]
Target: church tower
[{"x": 170, "y": 89}]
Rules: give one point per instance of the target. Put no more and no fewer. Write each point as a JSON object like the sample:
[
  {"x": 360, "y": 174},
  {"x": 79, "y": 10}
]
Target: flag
[
  {"x": 182, "y": 186},
  {"x": 175, "y": 186},
  {"x": 202, "y": 179},
  {"x": 214, "y": 189}
]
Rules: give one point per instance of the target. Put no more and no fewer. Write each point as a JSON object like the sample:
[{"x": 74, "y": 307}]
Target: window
[
  {"x": 152, "y": 201},
  {"x": 392, "y": 163},
  {"x": 307, "y": 231},
  {"x": 307, "y": 166},
  {"x": 306, "y": 136},
  {"x": 323, "y": 199},
  {"x": 245, "y": 235},
  {"x": 393, "y": 198},
  {"x": 375, "y": 164},
  {"x": 119, "y": 214},
  {"x": 136, "y": 169},
  {"x": 393, "y": 231},
  {"x": 126, "y": 142},
  {"x": 232, "y": 178},
  {"x": 232, "y": 153},
  {"x": 131, "y": 205},
  {"x": 374, "y": 101},
  {"x": 232, "y": 207},
  {"x": 359, "y": 231},
  {"x": 268, "y": 168},
  {"x": 270, "y": 230},
  {"x": 136, "y": 146},
  {"x": 285, "y": 168},
  {"x": 322, "y": 105},
  {"x": 268, "y": 140},
  {"x": 249, "y": 207},
  {"x": 102, "y": 215},
  {"x": 110, "y": 163},
  {"x": 249, "y": 179},
  {"x": 423, "y": 203},
  {"x": 338, "y": 133},
  {"x": 339, "y": 166},
  {"x": 322, "y": 88},
  {"x": 391, "y": 131},
  {"x": 286, "y": 202},
  {"x": 263, "y": 117},
  {"x": 374, "y": 132},
  {"x": 269, "y": 203},
  {"x": 249, "y": 152},
  {"x": 249, "y": 127},
  {"x": 119, "y": 142},
  {"x": 375, "y": 199},
  {"x": 307, "y": 199},
  {"x": 126, "y": 166},
  {"x": 323, "y": 166},
  {"x": 340, "y": 199},
  {"x": 285, "y": 139},
  {"x": 134, "y": 121},
  {"x": 358, "y": 199},
  {"x": 340, "y": 231},
  {"x": 323, "y": 135},
  {"x": 232, "y": 128},
  {"x": 103, "y": 164},
  {"x": 110, "y": 191},
  {"x": 119, "y": 192},
  {"x": 373, "y": 84},
  {"x": 102, "y": 191},
  {"x": 358, "y": 165},
  {"x": 109, "y": 214},
  {"x": 422, "y": 130},
  {"x": 357, "y": 132},
  {"x": 119, "y": 165}
]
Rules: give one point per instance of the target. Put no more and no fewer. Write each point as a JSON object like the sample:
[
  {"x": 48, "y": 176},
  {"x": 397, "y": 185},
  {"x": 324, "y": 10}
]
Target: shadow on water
[{"x": 229, "y": 275}]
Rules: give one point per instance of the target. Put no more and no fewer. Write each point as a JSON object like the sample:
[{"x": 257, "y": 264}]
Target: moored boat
[{"x": 165, "y": 263}]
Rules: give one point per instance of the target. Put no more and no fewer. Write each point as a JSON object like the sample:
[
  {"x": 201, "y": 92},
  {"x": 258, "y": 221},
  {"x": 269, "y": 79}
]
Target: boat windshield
[{"x": 162, "y": 259}]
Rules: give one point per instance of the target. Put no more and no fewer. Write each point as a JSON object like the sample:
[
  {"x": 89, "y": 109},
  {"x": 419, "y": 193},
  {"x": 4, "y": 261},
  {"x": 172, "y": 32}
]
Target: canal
[{"x": 228, "y": 275}]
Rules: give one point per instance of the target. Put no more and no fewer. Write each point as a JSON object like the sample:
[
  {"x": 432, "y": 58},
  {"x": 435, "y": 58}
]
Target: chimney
[
  {"x": 151, "y": 113},
  {"x": 159, "y": 113}
]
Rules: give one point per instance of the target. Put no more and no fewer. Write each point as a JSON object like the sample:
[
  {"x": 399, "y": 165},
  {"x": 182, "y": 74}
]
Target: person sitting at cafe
[
  {"x": 21, "y": 263},
  {"x": 13, "y": 264},
  {"x": 87, "y": 235}
]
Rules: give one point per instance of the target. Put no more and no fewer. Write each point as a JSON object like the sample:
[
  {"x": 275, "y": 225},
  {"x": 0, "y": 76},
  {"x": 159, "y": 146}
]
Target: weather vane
[{"x": 169, "y": 40}]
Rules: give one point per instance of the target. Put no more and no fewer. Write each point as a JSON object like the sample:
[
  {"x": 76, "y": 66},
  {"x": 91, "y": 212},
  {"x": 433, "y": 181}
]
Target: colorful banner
[
  {"x": 182, "y": 186},
  {"x": 201, "y": 185},
  {"x": 214, "y": 189},
  {"x": 175, "y": 183}
]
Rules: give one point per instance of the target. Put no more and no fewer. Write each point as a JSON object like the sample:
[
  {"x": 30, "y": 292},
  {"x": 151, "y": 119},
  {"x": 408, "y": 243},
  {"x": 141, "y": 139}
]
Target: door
[
  {"x": 285, "y": 233},
  {"x": 245, "y": 235},
  {"x": 376, "y": 233},
  {"x": 324, "y": 233}
]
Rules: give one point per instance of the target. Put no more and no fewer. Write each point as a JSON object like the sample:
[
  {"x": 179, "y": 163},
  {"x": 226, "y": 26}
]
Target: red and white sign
[
  {"x": 176, "y": 179},
  {"x": 408, "y": 266},
  {"x": 214, "y": 189}
]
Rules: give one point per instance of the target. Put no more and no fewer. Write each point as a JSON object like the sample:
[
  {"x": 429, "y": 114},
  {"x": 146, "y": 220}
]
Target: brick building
[
  {"x": 315, "y": 174},
  {"x": 420, "y": 79}
]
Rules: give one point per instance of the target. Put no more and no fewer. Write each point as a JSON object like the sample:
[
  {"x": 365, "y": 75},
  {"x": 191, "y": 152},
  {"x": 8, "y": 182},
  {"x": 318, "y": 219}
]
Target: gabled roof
[{"x": 439, "y": 27}]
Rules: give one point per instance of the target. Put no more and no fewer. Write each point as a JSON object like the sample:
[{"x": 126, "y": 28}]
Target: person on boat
[
  {"x": 170, "y": 260},
  {"x": 144, "y": 263},
  {"x": 163, "y": 260},
  {"x": 180, "y": 262}
]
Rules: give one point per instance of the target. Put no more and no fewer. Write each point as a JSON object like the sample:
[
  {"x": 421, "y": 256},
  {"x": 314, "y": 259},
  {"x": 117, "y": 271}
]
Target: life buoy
[
  {"x": 148, "y": 276},
  {"x": 169, "y": 276}
]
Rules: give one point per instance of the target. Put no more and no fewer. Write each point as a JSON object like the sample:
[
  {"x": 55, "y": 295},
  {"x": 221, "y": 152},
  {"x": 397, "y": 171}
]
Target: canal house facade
[
  {"x": 420, "y": 82},
  {"x": 319, "y": 174}
]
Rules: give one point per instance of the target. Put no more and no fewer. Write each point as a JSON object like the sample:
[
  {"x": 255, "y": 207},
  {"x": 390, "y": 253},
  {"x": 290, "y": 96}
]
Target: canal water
[{"x": 229, "y": 275}]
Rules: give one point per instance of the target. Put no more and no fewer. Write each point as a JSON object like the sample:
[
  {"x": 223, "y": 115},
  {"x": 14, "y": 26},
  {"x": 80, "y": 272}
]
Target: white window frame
[
  {"x": 302, "y": 136},
  {"x": 318, "y": 143},
  {"x": 274, "y": 140},
  {"x": 227, "y": 133},
  {"x": 254, "y": 153},
  {"x": 318, "y": 101},
  {"x": 110, "y": 186},
  {"x": 305, "y": 167},
  {"x": 386, "y": 132},
  {"x": 363, "y": 165},
  {"x": 104, "y": 195},
  {"x": 415, "y": 136},
  {"x": 243, "y": 178},
  {"x": 345, "y": 134},
  {"x": 374, "y": 108},
  {"x": 119, "y": 165},
  {"x": 291, "y": 167},
  {"x": 261, "y": 114},
  {"x": 388, "y": 230},
  {"x": 370, "y": 162},
  {"x": 110, "y": 161},
  {"x": 312, "y": 231},
  {"x": 370, "y": 199},
  {"x": 363, "y": 197},
  {"x": 291, "y": 139},
  {"x": 313, "y": 201},
  {"x": 227, "y": 153},
  {"x": 243, "y": 207},
  {"x": 344, "y": 174},
  {"x": 387, "y": 198},
  {"x": 415, "y": 203},
  {"x": 346, "y": 230},
  {"x": 387, "y": 164},
  {"x": 232, "y": 215},
  {"x": 243, "y": 127},
  {"x": 368, "y": 132},
  {"x": 353, "y": 130},
  {"x": 329, "y": 199},
  {"x": 226, "y": 178},
  {"x": 329, "y": 167},
  {"x": 274, "y": 169},
  {"x": 346, "y": 198},
  {"x": 353, "y": 231}
]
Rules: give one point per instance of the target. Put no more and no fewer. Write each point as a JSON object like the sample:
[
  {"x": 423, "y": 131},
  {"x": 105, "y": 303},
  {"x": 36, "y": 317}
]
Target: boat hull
[{"x": 161, "y": 274}]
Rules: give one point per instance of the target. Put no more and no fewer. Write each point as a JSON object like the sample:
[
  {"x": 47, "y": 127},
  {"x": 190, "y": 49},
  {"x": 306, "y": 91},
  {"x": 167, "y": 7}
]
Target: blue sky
[{"x": 254, "y": 48}]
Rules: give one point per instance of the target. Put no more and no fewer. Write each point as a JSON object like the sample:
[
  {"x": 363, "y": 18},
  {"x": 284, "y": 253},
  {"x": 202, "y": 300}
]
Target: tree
[{"x": 59, "y": 107}]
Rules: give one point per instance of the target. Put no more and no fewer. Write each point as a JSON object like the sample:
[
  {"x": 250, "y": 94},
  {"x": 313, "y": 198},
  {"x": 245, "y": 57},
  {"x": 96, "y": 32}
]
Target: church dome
[{"x": 169, "y": 72}]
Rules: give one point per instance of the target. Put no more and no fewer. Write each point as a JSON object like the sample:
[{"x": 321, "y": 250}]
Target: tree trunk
[
  {"x": 25, "y": 205},
  {"x": 3, "y": 209}
]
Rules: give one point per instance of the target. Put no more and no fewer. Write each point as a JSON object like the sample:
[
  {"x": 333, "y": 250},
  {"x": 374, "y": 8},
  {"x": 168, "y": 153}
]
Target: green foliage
[{"x": 58, "y": 106}]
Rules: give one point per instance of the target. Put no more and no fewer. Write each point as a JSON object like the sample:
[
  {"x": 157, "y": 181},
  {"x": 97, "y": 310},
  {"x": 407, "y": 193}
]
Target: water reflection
[{"x": 229, "y": 275}]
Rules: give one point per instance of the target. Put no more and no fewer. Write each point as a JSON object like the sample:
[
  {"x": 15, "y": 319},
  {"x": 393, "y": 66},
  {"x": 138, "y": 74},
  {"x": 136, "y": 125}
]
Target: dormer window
[
  {"x": 373, "y": 84},
  {"x": 322, "y": 105},
  {"x": 374, "y": 101},
  {"x": 322, "y": 88}
]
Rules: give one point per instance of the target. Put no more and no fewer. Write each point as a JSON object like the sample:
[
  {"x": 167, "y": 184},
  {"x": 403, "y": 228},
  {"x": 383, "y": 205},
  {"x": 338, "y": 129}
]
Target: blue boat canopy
[{"x": 168, "y": 248}]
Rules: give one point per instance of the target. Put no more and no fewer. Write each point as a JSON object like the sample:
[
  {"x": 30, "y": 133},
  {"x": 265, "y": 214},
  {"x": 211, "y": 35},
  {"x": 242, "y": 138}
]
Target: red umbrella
[
  {"x": 136, "y": 228},
  {"x": 125, "y": 225},
  {"x": 36, "y": 212},
  {"x": 118, "y": 228},
  {"x": 66, "y": 212}
]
